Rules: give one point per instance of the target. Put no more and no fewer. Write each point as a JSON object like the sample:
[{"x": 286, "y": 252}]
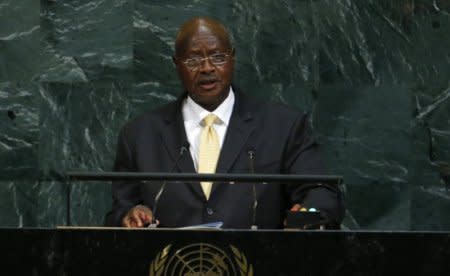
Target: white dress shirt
[{"x": 193, "y": 115}]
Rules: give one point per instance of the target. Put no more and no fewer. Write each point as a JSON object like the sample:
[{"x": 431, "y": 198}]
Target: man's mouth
[{"x": 208, "y": 84}]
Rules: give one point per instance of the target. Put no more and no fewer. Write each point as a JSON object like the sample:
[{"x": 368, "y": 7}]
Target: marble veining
[{"x": 374, "y": 76}]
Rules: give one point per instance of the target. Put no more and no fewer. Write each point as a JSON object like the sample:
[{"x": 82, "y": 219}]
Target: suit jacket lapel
[{"x": 240, "y": 127}]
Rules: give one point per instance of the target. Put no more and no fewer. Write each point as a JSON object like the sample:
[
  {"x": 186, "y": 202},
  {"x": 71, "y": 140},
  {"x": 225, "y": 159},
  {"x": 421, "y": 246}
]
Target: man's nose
[{"x": 206, "y": 65}]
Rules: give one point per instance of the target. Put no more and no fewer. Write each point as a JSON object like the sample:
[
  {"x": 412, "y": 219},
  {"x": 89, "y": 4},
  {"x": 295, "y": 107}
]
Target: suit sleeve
[
  {"x": 302, "y": 157},
  {"x": 126, "y": 194}
]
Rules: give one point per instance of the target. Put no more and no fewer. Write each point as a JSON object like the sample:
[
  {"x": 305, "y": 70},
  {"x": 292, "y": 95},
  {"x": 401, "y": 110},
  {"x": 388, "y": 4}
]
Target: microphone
[
  {"x": 184, "y": 148},
  {"x": 251, "y": 158}
]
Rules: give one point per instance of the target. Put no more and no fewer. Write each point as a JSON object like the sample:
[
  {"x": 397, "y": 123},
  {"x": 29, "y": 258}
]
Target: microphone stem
[
  {"x": 155, "y": 205},
  {"x": 251, "y": 157},
  {"x": 163, "y": 186}
]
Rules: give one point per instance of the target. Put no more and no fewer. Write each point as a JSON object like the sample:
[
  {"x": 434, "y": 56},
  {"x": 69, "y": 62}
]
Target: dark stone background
[{"x": 374, "y": 74}]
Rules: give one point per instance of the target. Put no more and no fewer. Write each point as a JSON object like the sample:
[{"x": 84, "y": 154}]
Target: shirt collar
[{"x": 195, "y": 113}]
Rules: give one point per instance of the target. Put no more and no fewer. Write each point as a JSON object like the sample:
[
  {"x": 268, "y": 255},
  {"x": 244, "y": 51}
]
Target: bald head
[{"x": 200, "y": 26}]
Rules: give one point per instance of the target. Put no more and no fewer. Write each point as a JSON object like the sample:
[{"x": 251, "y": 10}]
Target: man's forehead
[
  {"x": 199, "y": 33},
  {"x": 204, "y": 39}
]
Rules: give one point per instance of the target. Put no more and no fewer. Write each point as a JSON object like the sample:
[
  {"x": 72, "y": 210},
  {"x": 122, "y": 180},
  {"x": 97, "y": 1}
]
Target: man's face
[{"x": 208, "y": 83}]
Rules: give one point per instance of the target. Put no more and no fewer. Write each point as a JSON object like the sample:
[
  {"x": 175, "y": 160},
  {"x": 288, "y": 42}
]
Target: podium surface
[{"x": 117, "y": 251}]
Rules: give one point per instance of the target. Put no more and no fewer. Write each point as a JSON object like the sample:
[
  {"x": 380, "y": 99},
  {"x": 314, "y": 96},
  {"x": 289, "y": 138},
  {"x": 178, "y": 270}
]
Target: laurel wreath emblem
[
  {"x": 244, "y": 268},
  {"x": 158, "y": 264}
]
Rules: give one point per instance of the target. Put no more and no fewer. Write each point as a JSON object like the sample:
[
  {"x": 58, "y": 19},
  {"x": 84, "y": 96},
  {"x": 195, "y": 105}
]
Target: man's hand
[
  {"x": 296, "y": 207},
  {"x": 138, "y": 216}
]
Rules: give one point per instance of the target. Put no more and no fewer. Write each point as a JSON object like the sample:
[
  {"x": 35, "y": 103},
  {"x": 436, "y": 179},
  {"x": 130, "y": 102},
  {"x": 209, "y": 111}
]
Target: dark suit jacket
[{"x": 280, "y": 138}]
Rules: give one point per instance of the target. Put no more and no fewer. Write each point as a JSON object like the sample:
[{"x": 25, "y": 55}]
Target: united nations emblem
[{"x": 200, "y": 259}]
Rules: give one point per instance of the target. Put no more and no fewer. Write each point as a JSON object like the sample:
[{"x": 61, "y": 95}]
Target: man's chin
[
  {"x": 208, "y": 100},
  {"x": 206, "y": 94}
]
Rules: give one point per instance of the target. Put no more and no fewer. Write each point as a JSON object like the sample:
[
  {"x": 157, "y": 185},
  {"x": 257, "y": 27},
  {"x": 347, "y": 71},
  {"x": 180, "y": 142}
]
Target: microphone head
[
  {"x": 184, "y": 147},
  {"x": 251, "y": 152}
]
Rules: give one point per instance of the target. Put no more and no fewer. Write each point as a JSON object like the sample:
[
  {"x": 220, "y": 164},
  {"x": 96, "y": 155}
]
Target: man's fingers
[
  {"x": 132, "y": 219},
  {"x": 138, "y": 216},
  {"x": 145, "y": 217},
  {"x": 296, "y": 207},
  {"x": 126, "y": 222}
]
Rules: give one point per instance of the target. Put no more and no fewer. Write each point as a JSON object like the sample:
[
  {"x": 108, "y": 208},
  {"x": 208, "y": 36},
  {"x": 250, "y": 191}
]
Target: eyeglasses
[{"x": 216, "y": 59}]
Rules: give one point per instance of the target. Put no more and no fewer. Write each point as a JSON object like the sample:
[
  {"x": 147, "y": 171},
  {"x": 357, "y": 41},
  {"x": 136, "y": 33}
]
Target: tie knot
[{"x": 209, "y": 120}]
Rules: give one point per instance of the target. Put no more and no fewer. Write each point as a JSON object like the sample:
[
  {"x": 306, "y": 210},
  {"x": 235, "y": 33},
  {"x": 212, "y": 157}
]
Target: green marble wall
[{"x": 374, "y": 74}]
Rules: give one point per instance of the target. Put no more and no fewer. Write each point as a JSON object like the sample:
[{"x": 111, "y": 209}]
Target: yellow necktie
[{"x": 209, "y": 151}]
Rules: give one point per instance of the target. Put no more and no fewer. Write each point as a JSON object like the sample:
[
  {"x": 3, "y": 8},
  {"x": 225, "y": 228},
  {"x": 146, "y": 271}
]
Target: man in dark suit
[{"x": 240, "y": 136}]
